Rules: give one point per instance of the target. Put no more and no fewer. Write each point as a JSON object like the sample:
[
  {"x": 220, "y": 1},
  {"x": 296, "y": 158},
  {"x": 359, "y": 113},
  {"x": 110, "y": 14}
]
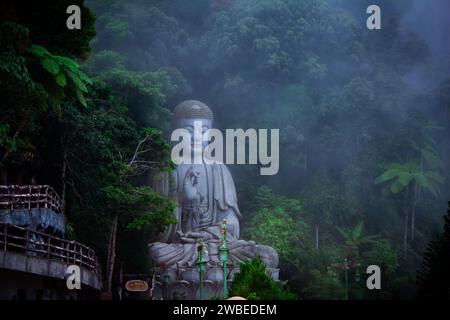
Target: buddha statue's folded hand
[{"x": 194, "y": 236}]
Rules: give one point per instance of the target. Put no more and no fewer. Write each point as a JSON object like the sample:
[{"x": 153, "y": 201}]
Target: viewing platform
[
  {"x": 34, "y": 254},
  {"x": 37, "y": 207}
]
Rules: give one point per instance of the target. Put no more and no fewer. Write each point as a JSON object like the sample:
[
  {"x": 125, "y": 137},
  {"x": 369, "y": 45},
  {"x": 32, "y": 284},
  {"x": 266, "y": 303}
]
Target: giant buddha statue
[{"x": 205, "y": 195}]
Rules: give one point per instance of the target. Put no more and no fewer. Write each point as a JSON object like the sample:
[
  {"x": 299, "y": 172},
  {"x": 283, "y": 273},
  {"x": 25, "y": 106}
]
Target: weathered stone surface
[
  {"x": 40, "y": 219},
  {"x": 168, "y": 255},
  {"x": 183, "y": 283}
]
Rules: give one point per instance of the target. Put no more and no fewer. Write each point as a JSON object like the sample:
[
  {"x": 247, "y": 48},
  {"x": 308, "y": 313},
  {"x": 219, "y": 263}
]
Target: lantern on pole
[
  {"x": 224, "y": 253},
  {"x": 346, "y": 266},
  {"x": 201, "y": 264}
]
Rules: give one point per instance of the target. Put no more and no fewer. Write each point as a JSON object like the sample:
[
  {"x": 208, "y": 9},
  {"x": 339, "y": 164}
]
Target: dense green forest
[{"x": 364, "y": 119}]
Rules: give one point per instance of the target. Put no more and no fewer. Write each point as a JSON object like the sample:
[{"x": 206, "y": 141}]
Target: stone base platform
[{"x": 184, "y": 283}]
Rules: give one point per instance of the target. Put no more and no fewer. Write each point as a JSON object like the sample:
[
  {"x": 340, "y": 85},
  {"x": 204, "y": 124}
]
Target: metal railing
[
  {"x": 38, "y": 244},
  {"x": 15, "y": 197}
]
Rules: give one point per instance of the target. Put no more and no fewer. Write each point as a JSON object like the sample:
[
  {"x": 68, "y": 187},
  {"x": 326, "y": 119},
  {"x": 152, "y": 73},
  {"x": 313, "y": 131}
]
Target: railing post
[
  {"x": 91, "y": 259},
  {"x": 11, "y": 191},
  {"x": 5, "y": 236},
  {"x": 27, "y": 242},
  {"x": 74, "y": 253},
  {"x": 49, "y": 247},
  {"x": 29, "y": 198},
  {"x": 46, "y": 197},
  {"x": 15, "y": 197},
  {"x": 67, "y": 252},
  {"x": 63, "y": 248}
]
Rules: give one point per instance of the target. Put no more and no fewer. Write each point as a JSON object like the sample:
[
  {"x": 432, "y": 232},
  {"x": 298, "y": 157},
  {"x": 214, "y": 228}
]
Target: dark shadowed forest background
[{"x": 364, "y": 119}]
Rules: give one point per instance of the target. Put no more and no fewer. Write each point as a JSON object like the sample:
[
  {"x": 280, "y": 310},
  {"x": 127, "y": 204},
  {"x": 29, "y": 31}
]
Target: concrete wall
[
  {"x": 16, "y": 285},
  {"x": 33, "y": 272}
]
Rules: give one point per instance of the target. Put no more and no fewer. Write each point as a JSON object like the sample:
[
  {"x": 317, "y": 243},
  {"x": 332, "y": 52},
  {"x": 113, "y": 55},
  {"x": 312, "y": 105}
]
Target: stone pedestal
[{"x": 183, "y": 283}]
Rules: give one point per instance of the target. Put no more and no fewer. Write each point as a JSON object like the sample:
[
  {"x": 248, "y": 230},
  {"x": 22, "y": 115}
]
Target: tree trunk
[
  {"x": 3, "y": 176},
  {"x": 64, "y": 178},
  {"x": 305, "y": 167},
  {"x": 413, "y": 211},
  {"x": 317, "y": 237},
  {"x": 405, "y": 234},
  {"x": 120, "y": 281},
  {"x": 111, "y": 252}
]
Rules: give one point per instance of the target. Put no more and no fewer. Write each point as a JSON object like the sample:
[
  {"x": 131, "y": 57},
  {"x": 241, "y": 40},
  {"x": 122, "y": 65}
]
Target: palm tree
[
  {"x": 354, "y": 239},
  {"x": 408, "y": 177},
  {"x": 429, "y": 156}
]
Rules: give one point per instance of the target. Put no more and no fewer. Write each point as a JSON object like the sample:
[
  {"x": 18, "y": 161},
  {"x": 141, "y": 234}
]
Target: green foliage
[
  {"x": 253, "y": 282},
  {"x": 402, "y": 175},
  {"x": 265, "y": 198},
  {"x": 36, "y": 78},
  {"x": 277, "y": 229},
  {"x": 47, "y": 25},
  {"x": 61, "y": 68},
  {"x": 433, "y": 278},
  {"x": 145, "y": 207},
  {"x": 275, "y": 223},
  {"x": 354, "y": 239},
  {"x": 324, "y": 286},
  {"x": 143, "y": 92},
  {"x": 97, "y": 135},
  {"x": 101, "y": 175},
  {"x": 382, "y": 254},
  {"x": 23, "y": 100}
]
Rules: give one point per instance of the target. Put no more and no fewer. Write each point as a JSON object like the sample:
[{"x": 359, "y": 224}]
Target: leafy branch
[{"x": 61, "y": 70}]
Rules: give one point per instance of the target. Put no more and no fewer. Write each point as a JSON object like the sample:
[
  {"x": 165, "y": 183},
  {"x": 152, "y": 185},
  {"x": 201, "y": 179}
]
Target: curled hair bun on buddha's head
[{"x": 192, "y": 109}]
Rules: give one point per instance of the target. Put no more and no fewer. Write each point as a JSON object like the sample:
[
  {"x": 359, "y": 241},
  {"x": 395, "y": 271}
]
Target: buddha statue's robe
[{"x": 205, "y": 194}]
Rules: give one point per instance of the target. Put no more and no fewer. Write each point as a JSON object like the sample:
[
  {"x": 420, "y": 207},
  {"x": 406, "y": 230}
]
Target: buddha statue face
[
  {"x": 191, "y": 125},
  {"x": 196, "y": 118}
]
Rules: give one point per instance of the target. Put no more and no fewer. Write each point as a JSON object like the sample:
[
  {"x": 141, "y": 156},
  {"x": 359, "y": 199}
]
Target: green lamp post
[
  {"x": 224, "y": 253},
  {"x": 346, "y": 266},
  {"x": 201, "y": 264}
]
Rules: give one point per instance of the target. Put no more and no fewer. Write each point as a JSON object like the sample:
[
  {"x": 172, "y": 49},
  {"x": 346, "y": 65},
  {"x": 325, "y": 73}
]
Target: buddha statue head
[{"x": 191, "y": 112}]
